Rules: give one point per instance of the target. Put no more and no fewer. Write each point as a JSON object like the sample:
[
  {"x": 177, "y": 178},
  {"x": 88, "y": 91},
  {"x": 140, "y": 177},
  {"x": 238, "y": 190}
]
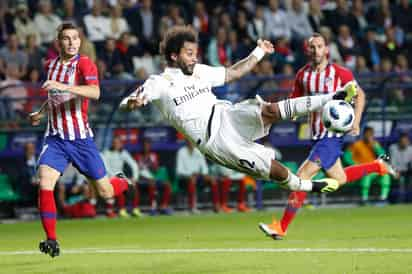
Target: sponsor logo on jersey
[{"x": 191, "y": 93}]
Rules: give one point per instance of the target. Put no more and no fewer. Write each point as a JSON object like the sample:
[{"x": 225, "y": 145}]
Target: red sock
[
  {"x": 121, "y": 201},
  {"x": 109, "y": 204},
  {"x": 215, "y": 193},
  {"x": 191, "y": 190},
  {"x": 167, "y": 190},
  {"x": 152, "y": 194},
  {"x": 226, "y": 182},
  {"x": 136, "y": 197},
  {"x": 295, "y": 201},
  {"x": 354, "y": 173},
  {"x": 47, "y": 208},
  {"x": 242, "y": 192},
  {"x": 120, "y": 185}
]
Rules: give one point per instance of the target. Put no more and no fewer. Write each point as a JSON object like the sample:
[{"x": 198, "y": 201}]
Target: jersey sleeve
[
  {"x": 214, "y": 75},
  {"x": 345, "y": 76},
  {"x": 297, "y": 86},
  {"x": 151, "y": 89},
  {"x": 88, "y": 71}
]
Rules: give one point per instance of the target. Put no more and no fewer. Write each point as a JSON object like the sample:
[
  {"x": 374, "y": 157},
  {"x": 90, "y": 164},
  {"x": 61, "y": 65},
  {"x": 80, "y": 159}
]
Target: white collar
[{"x": 176, "y": 71}]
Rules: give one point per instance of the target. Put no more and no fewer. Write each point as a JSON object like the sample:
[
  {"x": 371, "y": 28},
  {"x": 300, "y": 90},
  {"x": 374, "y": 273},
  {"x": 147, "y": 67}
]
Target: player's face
[
  {"x": 117, "y": 144},
  {"x": 318, "y": 51},
  {"x": 187, "y": 58},
  {"x": 70, "y": 42}
]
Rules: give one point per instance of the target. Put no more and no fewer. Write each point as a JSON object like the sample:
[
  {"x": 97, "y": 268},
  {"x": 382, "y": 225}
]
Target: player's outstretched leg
[
  {"x": 386, "y": 166},
  {"x": 292, "y": 182},
  {"x": 294, "y": 107},
  {"x": 277, "y": 229}
]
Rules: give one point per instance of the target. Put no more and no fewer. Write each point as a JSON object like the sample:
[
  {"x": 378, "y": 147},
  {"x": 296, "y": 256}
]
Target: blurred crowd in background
[{"x": 122, "y": 36}]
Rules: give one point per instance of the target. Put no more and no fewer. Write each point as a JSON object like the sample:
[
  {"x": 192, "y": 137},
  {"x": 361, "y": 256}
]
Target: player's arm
[
  {"x": 88, "y": 91},
  {"x": 348, "y": 81},
  {"x": 246, "y": 65},
  {"x": 151, "y": 90},
  {"x": 89, "y": 87},
  {"x": 36, "y": 116},
  {"x": 359, "y": 106},
  {"x": 133, "y": 101}
]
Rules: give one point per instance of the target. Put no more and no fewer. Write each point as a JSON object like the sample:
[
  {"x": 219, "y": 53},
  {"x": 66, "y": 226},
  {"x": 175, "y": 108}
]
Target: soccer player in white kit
[{"x": 223, "y": 131}]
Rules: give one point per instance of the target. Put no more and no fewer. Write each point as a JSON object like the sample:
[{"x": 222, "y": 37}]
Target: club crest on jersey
[
  {"x": 328, "y": 81},
  {"x": 71, "y": 70}
]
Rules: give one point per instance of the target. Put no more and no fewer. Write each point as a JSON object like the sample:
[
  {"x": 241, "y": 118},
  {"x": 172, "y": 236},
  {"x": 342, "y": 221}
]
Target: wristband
[{"x": 259, "y": 53}]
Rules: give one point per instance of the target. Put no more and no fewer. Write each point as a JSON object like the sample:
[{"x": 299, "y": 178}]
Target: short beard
[
  {"x": 316, "y": 63},
  {"x": 185, "y": 68}
]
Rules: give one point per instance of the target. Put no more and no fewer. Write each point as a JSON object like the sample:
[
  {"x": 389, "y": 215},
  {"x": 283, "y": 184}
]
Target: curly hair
[{"x": 174, "y": 40}]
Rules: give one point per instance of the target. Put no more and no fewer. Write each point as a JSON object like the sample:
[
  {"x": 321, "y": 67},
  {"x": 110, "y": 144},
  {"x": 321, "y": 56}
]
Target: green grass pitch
[{"x": 344, "y": 240}]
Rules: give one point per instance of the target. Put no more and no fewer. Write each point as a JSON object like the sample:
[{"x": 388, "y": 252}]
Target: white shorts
[{"x": 234, "y": 129}]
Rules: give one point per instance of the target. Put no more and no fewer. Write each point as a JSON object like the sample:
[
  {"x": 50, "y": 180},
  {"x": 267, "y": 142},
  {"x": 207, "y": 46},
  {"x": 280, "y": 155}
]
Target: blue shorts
[
  {"x": 325, "y": 152},
  {"x": 82, "y": 153}
]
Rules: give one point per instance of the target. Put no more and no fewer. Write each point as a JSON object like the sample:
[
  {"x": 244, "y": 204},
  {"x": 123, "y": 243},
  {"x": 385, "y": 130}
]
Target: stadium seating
[{"x": 7, "y": 194}]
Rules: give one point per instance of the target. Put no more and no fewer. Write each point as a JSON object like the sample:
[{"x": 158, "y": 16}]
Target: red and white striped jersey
[
  {"x": 311, "y": 82},
  {"x": 67, "y": 113}
]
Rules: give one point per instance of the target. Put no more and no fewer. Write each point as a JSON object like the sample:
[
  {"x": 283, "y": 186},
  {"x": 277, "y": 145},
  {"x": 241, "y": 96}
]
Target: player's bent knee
[
  {"x": 48, "y": 177},
  {"x": 105, "y": 192},
  {"x": 104, "y": 189},
  {"x": 341, "y": 180}
]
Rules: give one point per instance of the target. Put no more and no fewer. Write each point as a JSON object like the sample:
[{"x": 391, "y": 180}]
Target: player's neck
[
  {"x": 66, "y": 58},
  {"x": 320, "y": 67},
  {"x": 173, "y": 67}
]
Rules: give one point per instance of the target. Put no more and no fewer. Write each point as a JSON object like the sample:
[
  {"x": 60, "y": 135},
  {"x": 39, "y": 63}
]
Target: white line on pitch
[{"x": 215, "y": 250}]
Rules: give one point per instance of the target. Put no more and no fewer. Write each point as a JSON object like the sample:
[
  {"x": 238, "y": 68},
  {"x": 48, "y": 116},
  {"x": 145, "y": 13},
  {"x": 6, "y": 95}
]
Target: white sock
[
  {"x": 294, "y": 183},
  {"x": 290, "y": 108}
]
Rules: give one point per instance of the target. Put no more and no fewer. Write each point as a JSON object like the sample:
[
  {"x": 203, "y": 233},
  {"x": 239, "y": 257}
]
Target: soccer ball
[{"x": 338, "y": 116}]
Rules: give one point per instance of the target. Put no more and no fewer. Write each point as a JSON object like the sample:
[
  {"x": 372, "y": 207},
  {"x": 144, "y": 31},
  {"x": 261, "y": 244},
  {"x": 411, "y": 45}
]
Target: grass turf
[{"x": 351, "y": 228}]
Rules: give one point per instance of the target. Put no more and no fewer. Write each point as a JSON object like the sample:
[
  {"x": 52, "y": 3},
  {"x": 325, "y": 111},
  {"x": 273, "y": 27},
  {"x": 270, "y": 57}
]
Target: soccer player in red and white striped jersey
[
  {"x": 68, "y": 117},
  {"x": 71, "y": 82},
  {"x": 315, "y": 78},
  {"x": 309, "y": 81}
]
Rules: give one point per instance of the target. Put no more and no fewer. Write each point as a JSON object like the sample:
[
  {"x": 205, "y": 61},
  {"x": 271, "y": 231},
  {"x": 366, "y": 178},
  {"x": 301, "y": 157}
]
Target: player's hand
[
  {"x": 355, "y": 131},
  {"x": 35, "y": 118},
  {"x": 266, "y": 45},
  {"x": 50, "y": 84},
  {"x": 134, "y": 102}
]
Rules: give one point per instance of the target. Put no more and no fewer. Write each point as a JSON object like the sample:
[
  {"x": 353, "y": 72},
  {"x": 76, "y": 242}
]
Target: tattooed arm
[{"x": 245, "y": 65}]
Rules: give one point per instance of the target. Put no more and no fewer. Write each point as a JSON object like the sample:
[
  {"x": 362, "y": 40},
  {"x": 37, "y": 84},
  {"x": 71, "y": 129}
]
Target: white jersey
[{"x": 186, "y": 101}]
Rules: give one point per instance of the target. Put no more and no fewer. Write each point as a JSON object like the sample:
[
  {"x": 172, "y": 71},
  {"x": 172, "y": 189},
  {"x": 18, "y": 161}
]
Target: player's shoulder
[
  {"x": 199, "y": 67},
  {"x": 202, "y": 69},
  {"x": 341, "y": 69},
  {"x": 300, "y": 71},
  {"x": 85, "y": 60},
  {"x": 158, "y": 79},
  {"x": 50, "y": 61}
]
